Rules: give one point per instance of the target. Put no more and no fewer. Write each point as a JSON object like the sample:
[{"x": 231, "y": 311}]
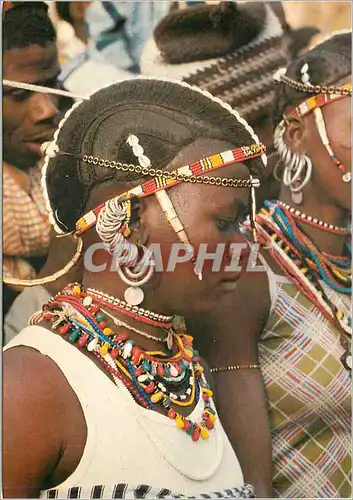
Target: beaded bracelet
[{"x": 234, "y": 367}]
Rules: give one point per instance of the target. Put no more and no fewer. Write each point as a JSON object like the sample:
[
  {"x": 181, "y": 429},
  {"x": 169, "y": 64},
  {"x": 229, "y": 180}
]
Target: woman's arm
[{"x": 32, "y": 434}]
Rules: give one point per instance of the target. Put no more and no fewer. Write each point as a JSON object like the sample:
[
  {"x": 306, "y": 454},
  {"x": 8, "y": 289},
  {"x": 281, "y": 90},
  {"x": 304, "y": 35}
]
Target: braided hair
[
  {"x": 328, "y": 63},
  {"x": 231, "y": 50},
  {"x": 165, "y": 116},
  {"x": 27, "y": 23}
]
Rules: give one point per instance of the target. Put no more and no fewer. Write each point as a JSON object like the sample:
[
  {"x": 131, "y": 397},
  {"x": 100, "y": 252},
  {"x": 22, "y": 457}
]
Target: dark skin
[
  {"x": 55, "y": 431},
  {"x": 30, "y": 118},
  {"x": 327, "y": 197}
]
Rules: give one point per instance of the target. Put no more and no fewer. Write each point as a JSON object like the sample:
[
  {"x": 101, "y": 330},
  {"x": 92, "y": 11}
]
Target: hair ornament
[
  {"x": 279, "y": 74},
  {"x": 305, "y": 74},
  {"x": 138, "y": 151}
]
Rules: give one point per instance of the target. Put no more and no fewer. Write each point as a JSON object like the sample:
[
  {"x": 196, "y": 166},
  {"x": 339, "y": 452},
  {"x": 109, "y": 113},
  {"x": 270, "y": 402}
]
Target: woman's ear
[
  {"x": 139, "y": 234},
  {"x": 295, "y": 135}
]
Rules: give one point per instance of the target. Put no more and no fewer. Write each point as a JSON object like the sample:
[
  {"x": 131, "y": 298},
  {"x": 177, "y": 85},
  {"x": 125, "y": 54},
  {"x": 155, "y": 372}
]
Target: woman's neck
[{"x": 325, "y": 211}]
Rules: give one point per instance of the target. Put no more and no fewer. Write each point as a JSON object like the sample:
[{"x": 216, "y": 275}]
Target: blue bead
[{"x": 146, "y": 365}]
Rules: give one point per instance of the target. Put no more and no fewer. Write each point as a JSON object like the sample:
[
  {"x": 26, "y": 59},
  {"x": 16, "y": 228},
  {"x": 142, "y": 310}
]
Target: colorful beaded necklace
[
  {"x": 152, "y": 377},
  {"x": 305, "y": 265}
]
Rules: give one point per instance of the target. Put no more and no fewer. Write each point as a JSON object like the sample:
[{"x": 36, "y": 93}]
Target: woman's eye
[{"x": 20, "y": 95}]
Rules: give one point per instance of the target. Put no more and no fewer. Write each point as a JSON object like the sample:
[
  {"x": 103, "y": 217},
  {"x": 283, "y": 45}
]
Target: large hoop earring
[
  {"x": 136, "y": 277},
  {"x": 294, "y": 165}
]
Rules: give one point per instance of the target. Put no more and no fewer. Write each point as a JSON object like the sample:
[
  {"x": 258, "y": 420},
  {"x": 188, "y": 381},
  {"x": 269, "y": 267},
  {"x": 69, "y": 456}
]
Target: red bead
[
  {"x": 102, "y": 324},
  {"x": 209, "y": 425},
  {"x": 114, "y": 352},
  {"x": 47, "y": 316},
  {"x": 150, "y": 388},
  {"x": 205, "y": 397},
  {"x": 122, "y": 337},
  {"x": 197, "y": 359},
  {"x": 94, "y": 309},
  {"x": 187, "y": 425},
  {"x": 136, "y": 355},
  {"x": 83, "y": 340},
  {"x": 64, "y": 329},
  {"x": 160, "y": 370},
  {"x": 171, "y": 413},
  {"x": 139, "y": 371},
  {"x": 341, "y": 168},
  {"x": 196, "y": 434}
]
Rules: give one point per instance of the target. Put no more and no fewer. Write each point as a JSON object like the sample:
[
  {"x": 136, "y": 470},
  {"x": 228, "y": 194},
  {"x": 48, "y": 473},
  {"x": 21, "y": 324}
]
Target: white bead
[
  {"x": 127, "y": 350},
  {"x": 315, "y": 220},
  {"x": 173, "y": 371},
  {"x": 347, "y": 177},
  {"x": 138, "y": 150},
  {"x": 304, "y": 68},
  {"x": 309, "y": 217},
  {"x": 92, "y": 345},
  {"x": 188, "y": 391},
  {"x": 143, "y": 378},
  {"x": 183, "y": 397},
  {"x": 87, "y": 301}
]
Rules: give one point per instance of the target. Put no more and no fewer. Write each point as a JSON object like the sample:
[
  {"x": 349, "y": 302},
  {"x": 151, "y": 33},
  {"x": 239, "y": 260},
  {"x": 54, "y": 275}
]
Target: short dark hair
[
  {"x": 165, "y": 116},
  {"x": 63, "y": 11},
  {"x": 329, "y": 62},
  {"x": 27, "y": 23}
]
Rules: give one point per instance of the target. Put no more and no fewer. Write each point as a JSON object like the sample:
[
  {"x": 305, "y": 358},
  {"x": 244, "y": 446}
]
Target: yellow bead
[
  {"x": 104, "y": 348},
  {"x": 208, "y": 392},
  {"x": 212, "y": 417},
  {"x": 156, "y": 397},
  {"x": 107, "y": 331},
  {"x": 339, "y": 314},
  {"x": 204, "y": 433},
  {"x": 76, "y": 289},
  {"x": 179, "y": 421}
]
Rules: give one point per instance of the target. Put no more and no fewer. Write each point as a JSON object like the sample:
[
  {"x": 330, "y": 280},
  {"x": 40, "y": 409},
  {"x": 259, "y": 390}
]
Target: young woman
[
  {"x": 102, "y": 398},
  {"x": 298, "y": 330}
]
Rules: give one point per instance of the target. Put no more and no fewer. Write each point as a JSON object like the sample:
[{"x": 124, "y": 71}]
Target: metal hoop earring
[{"x": 136, "y": 277}]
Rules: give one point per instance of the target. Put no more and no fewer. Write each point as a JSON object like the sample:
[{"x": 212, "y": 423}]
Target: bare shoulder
[{"x": 36, "y": 398}]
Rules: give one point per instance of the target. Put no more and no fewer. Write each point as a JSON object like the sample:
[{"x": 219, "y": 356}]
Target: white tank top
[{"x": 131, "y": 449}]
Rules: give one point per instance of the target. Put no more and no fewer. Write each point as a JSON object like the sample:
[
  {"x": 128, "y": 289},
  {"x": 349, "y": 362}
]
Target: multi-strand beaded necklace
[
  {"x": 154, "y": 378},
  {"x": 306, "y": 265}
]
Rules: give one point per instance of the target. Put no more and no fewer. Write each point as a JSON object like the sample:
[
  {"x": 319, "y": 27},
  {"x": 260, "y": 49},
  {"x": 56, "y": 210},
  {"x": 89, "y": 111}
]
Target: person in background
[
  {"x": 119, "y": 30},
  {"x": 231, "y": 50},
  {"x": 29, "y": 119},
  {"x": 84, "y": 69},
  {"x": 298, "y": 330}
]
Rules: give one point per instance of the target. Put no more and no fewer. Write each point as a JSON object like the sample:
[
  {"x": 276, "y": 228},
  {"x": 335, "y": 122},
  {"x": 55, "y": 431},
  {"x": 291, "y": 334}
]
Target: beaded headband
[
  {"x": 318, "y": 101},
  {"x": 165, "y": 180},
  {"x": 325, "y": 94}
]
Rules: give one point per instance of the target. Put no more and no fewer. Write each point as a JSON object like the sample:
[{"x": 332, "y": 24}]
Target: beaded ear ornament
[{"x": 324, "y": 94}]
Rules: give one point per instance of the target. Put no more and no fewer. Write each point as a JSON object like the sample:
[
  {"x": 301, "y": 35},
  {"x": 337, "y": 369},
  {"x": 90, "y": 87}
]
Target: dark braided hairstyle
[
  {"x": 229, "y": 49},
  {"x": 165, "y": 116},
  {"x": 27, "y": 23},
  {"x": 329, "y": 62}
]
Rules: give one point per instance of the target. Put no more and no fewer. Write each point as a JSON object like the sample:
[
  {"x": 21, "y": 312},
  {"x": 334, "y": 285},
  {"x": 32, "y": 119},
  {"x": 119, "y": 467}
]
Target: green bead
[
  {"x": 190, "y": 431},
  {"x": 99, "y": 317},
  {"x": 74, "y": 335},
  {"x": 146, "y": 365}
]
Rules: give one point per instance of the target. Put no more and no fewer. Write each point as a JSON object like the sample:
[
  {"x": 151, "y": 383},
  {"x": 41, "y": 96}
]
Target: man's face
[{"x": 29, "y": 118}]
